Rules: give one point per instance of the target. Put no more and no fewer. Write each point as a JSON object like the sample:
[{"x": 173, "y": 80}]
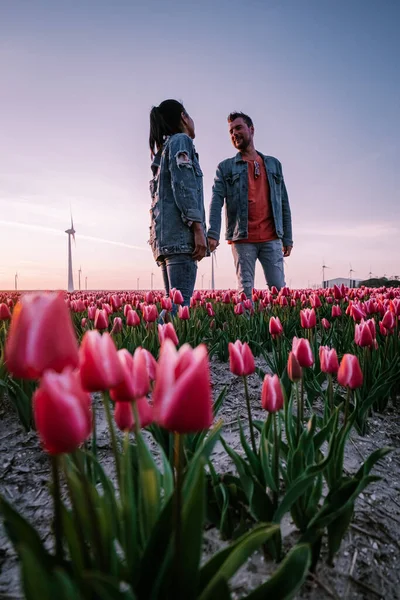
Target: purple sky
[{"x": 78, "y": 78}]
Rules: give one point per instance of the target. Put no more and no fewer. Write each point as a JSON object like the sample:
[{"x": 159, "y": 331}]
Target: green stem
[
  {"x": 79, "y": 526},
  {"x": 57, "y": 508},
  {"x": 178, "y": 440},
  {"x": 136, "y": 418},
  {"x": 252, "y": 437},
  {"x": 275, "y": 495},
  {"x": 302, "y": 403},
  {"x": 298, "y": 411},
  {"x": 346, "y": 406},
  {"x": 330, "y": 391},
  {"x": 106, "y": 402}
]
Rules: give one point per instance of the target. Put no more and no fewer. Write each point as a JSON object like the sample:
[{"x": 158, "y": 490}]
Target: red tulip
[
  {"x": 315, "y": 301},
  {"x": 350, "y": 374},
  {"x": 62, "y": 411},
  {"x": 92, "y": 312},
  {"x": 151, "y": 364},
  {"x": 166, "y": 304},
  {"x": 226, "y": 298},
  {"x": 210, "y": 311},
  {"x": 302, "y": 350},
  {"x": 83, "y": 322},
  {"x": 383, "y": 329},
  {"x": 136, "y": 381},
  {"x": 183, "y": 313},
  {"x": 101, "y": 319},
  {"x": 336, "y": 311},
  {"x": 271, "y": 394},
  {"x": 357, "y": 312},
  {"x": 308, "y": 318},
  {"x": 328, "y": 359},
  {"x": 132, "y": 318},
  {"x": 149, "y": 298},
  {"x": 167, "y": 332},
  {"x": 337, "y": 292},
  {"x": 5, "y": 313},
  {"x": 177, "y": 297},
  {"x": 239, "y": 310},
  {"x": 41, "y": 337},
  {"x": 363, "y": 336},
  {"x": 275, "y": 327},
  {"x": 127, "y": 308},
  {"x": 150, "y": 313},
  {"x": 389, "y": 320},
  {"x": 117, "y": 325},
  {"x": 295, "y": 372},
  {"x": 182, "y": 393},
  {"x": 241, "y": 359},
  {"x": 124, "y": 417},
  {"x": 325, "y": 323},
  {"x": 100, "y": 368},
  {"x": 274, "y": 291}
]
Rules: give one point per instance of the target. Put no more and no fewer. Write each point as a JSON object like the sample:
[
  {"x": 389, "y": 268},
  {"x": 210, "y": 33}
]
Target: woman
[{"x": 178, "y": 226}]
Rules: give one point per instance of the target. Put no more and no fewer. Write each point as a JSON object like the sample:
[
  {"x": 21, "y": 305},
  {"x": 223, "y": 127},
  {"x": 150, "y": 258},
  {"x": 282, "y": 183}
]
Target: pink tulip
[
  {"x": 328, "y": 360},
  {"x": 127, "y": 308},
  {"x": 275, "y": 327},
  {"x": 62, "y": 411},
  {"x": 117, "y": 325},
  {"x": 101, "y": 319},
  {"x": 150, "y": 313},
  {"x": 166, "y": 304},
  {"x": 308, "y": 318},
  {"x": 83, "y": 322},
  {"x": 149, "y": 298},
  {"x": 91, "y": 312},
  {"x": 315, "y": 301},
  {"x": 226, "y": 298},
  {"x": 336, "y": 311},
  {"x": 183, "y": 313},
  {"x": 151, "y": 364},
  {"x": 325, "y": 323},
  {"x": 41, "y": 336},
  {"x": 363, "y": 336},
  {"x": 5, "y": 314},
  {"x": 241, "y": 359},
  {"x": 167, "y": 332},
  {"x": 100, "y": 368},
  {"x": 271, "y": 394},
  {"x": 182, "y": 393},
  {"x": 349, "y": 373},
  {"x": 302, "y": 350},
  {"x": 135, "y": 382},
  {"x": 294, "y": 370},
  {"x": 389, "y": 320},
  {"x": 239, "y": 310},
  {"x": 177, "y": 297},
  {"x": 132, "y": 318},
  {"x": 124, "y": 417}
]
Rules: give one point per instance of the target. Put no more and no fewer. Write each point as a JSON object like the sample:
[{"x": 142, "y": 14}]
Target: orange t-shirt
[{"x": 261, "y": 225}]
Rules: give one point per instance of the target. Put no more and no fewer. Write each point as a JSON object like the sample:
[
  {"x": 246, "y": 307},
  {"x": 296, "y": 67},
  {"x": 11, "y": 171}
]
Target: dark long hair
[{"x": 165, "y": 119}]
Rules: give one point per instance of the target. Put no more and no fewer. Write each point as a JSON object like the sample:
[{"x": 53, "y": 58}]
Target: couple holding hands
[{"x": 251, "y": 184}]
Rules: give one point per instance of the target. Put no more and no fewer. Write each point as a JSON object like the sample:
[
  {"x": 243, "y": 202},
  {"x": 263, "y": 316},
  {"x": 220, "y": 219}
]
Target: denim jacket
[
  {"x": 231, "y": 186},
  {"x": 176, "y": 197}
]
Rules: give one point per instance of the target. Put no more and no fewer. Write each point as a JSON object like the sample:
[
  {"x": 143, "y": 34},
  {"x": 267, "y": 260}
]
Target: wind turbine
[
  {"x": 152, "y": 275},
  {"x": 79, "y": 275},
  {"x": 15, "y": 281},
  {"x": 71, "y": 233},
  {"x": 137, "y": 282},
  {"x": 324, "y": 266},
  {"x": 86, "y": 282},
  {"x": 351, "y": 275},
  {"x": 213, "y": 260},
  {"x": 202, "y": 281}
]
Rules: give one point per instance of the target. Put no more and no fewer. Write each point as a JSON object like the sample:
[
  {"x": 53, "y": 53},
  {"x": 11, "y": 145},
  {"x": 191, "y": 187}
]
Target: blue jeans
[
  {"x": 179, "y": 271},
  {"x": 270, "y": 256}
]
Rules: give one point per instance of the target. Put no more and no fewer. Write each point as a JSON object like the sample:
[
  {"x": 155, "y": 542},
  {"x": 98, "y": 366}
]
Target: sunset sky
[{"x": 320, "y": 79}]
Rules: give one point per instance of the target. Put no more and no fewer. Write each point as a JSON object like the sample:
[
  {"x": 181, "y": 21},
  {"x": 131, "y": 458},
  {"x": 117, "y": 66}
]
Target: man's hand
[
  {"x": 200, "y": 244},
  {"x": 287, "y": 250},
  {"x": 212, "y": 244}
]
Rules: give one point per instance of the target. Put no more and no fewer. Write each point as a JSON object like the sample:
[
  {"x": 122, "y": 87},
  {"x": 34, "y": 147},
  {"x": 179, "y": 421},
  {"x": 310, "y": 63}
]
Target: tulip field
[{"x": 236, "y": 448}]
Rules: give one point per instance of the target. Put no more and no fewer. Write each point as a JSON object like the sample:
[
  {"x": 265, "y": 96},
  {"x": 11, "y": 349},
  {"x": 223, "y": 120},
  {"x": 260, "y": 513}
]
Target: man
[{"x": 258, "y": 219}]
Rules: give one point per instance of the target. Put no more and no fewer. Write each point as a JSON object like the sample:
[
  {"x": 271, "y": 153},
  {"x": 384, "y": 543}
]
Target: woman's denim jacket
[
  {"x": 231, "y": 185},
  {"x": 176, "y": 197}
]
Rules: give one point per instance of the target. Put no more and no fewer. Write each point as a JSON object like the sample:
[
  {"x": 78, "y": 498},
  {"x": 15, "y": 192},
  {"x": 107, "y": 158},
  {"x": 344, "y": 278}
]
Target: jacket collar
[{"x": 238, "y": 157}]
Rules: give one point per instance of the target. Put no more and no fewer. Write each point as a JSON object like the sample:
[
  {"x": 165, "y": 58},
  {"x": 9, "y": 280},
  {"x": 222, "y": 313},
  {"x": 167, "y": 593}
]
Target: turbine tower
[
  {"x": 70, "y": 232},
  {"x": 351, "y": 281},
  {"x": 79, "y": 275},
  {"x": 15, "y": 281},
  {"x": 324, "y": 266},
  {"x": 213, "y": 259}
]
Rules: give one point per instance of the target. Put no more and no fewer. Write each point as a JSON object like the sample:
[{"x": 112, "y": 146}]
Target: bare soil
[{"x": 367, "y": 566}]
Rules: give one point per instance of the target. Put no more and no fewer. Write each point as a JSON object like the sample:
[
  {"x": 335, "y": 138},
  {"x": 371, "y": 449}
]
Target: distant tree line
[{"x": 380, "y": 282}]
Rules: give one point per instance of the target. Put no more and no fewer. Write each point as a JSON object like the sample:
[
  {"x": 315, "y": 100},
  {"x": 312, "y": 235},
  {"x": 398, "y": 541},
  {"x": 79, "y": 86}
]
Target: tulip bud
[
  {"x": 275, "y": 327},
  {"x": 177, "y": 297},
  {"x": 124, "y": 417},
  {"x": 132, "y": 318},
  {"x": 349, "y": 373},
  {"x": 62, "y": 411},
  {"x": 167, "y": 332},
  {"x": 328, "y": 359},
  {"x": 308, "y": 318},
  {"x": 294, "y": 370},
  {"x": 101, "y": 319},
  {"x": 302, "y": 350},
  {"x": 100, "y": 368},
  {"x": 183, "y": 313},
  {"x": 271, "y": 394},
  {"x": 241, "y": 359},
  {"x": 5, "y": 313},
  {"x": 41, "y": 337},
  {"x": 325, "y": 323}
]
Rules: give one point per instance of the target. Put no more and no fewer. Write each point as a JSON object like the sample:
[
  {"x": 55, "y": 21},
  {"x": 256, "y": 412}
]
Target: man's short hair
[{"x": 240, "y": 115}]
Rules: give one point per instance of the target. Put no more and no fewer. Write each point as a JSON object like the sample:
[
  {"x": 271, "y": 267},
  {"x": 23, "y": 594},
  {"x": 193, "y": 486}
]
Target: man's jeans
[
  {"x": 179, "y": 271},
  {"x": 271, "y": 258}
]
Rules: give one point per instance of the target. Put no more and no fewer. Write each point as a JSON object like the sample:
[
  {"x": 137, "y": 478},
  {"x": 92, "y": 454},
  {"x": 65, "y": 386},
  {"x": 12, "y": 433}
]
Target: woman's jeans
[{"x": 179, "y": 271}]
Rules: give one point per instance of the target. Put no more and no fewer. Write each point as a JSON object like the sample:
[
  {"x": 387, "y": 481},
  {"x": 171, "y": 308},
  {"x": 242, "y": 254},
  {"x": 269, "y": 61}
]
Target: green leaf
[
  {"x": 337, "y": 529},
  {"x": 36, "y": 578},
  {"x": 167, "y": 477},
  {"x": 224, "y": 564},
  {"x": 106, "y": 587},
  {"x": 254, "y": 461},
  {"x": 63, "y": 588},
  {"x": 149, "y": 487},
  {"x": 21, "y": 532},
  {"x": 289, "y": 577},
  {"x": 203, "y": 452}
]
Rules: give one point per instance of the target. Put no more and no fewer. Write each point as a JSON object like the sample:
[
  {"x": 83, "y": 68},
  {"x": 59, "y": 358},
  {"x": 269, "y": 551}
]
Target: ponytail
[{"x": 165, "y": 120}]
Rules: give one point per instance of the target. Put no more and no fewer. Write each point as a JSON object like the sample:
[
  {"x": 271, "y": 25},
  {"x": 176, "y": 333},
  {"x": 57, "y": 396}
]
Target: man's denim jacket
[
  {"x": 231, "y": 185},
  {"x": 176, "y": 197}
]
